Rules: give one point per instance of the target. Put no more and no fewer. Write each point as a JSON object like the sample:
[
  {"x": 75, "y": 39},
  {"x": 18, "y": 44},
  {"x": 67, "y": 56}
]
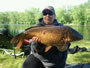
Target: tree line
[{"x": 73, "y": 15}]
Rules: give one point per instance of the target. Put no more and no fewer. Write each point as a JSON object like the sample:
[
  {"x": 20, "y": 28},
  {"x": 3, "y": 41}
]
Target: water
[{"x": 16, "y": 29}]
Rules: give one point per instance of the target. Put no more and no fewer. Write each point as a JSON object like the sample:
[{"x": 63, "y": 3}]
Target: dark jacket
[{"x": 53, "y": 56}]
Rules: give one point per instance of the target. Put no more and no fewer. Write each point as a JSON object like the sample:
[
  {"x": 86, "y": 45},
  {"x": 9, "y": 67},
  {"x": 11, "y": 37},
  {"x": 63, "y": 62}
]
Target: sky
[{"x": 22, "y": 5}]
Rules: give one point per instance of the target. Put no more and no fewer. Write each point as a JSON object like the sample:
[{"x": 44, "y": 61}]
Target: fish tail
[{"x": 17, "y": 38}]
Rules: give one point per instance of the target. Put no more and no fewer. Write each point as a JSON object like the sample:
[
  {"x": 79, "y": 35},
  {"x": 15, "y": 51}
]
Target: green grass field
[
  {"x": 80, "y": 57},
  {"x": 8, "y": 61}
]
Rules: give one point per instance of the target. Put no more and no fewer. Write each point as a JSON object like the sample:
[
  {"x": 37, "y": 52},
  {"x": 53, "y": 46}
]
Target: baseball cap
[{"x": 50, "y": 8}]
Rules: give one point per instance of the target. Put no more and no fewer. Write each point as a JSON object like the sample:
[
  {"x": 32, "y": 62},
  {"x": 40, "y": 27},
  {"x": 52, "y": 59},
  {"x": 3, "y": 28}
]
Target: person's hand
[{"x": 36, "y": 39}]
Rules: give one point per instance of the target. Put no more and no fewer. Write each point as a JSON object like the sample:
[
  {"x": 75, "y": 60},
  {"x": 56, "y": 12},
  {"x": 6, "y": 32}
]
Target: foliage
[
  {"x": 63, "y": 15},
  {"x": 28, "y": 17},
  {"x": 76, "y": 15}
]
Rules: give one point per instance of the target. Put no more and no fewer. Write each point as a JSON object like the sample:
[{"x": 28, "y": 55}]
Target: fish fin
[
  {"x": 32, "y": 27},
  {"x": 38, "y": 26},
  {"x": 17, "y": 38},
  {"x": 48, "y": 48},
  {"x": 19, "y": 44}
]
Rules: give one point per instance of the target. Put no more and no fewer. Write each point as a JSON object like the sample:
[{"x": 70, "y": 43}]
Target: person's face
[{"x": 48, "y": 17}]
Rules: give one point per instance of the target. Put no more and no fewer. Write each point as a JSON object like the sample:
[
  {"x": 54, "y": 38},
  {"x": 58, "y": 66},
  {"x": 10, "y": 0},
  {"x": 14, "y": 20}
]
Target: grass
[
  {"x": 8, "y": 61},
  {"x": 80, "y": 57}
]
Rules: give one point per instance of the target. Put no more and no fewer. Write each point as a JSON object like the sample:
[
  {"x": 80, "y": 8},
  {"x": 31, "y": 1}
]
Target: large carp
[{"x": 49, "y": 35}]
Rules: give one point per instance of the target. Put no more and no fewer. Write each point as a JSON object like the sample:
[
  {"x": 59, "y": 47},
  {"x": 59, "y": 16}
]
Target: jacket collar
[{"x": 41, "y": 22}]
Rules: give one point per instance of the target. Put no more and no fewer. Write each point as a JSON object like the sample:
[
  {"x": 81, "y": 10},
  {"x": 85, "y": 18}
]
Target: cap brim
[{"x": 46, "y": 10}]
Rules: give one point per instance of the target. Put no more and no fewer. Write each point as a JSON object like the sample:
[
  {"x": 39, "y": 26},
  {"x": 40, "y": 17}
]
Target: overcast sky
[{"x": 22, "y": 5}]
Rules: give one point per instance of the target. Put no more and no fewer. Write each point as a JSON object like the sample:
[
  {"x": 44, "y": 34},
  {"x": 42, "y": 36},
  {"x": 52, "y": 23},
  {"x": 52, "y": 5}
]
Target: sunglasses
[{"x": 47, "y": 12}]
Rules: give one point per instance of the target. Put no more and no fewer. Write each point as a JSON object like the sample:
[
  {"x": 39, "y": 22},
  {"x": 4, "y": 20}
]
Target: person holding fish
[
  {"x": 49, "y": 41},
  {"x": 42, "y": 56}
]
